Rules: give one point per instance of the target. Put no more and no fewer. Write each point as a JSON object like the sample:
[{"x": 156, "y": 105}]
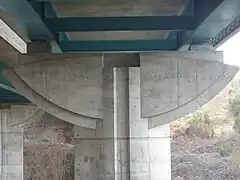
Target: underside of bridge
[{"x": 116, "y": 71}]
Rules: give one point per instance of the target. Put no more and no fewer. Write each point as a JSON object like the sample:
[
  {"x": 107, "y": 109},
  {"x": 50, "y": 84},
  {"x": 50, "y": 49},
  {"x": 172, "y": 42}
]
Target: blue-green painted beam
[
  {"x": 121, "y": 23},
  {"x": 8, "y": 94},
  {"x": 50, "y": 12},
  {"x": 29, "y": 16},
  {"x": 213, "y": 16},
  {"x": 118, "y": 45},
  {"x": 227, "y": 32},
  {"x": 8, "y": 97},
  {"x": 4, "y": 83},
  {"x": 26, "y": 18},
  {"x": 187, "y": 11}
]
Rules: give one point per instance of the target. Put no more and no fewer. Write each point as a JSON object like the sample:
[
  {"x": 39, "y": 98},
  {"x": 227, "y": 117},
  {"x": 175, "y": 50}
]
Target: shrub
[
  {"x": 200, "y": 125},
  {"x": 234, "y": 107}
]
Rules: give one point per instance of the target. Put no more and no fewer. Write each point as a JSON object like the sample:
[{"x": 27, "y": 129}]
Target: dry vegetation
[
  {"x": 48, "y": 150},
  {"x": 48, "y": 162},
  {"x": 206, "y": 144}
]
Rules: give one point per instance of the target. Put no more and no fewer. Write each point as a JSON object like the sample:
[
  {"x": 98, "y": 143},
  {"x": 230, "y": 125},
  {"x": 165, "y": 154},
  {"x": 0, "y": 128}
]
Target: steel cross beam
[
  {"x": 118, "y": 45},
  {"x": 213, "y": 17},
  {"x": 121, "y": 23},
  {"x": 29, "y": 16},
  {"x": 208, "y": 25},
  {"x": 8, "y": 94}
]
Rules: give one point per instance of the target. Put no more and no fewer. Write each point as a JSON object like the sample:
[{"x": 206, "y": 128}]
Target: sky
[{"x": 231, "y": 50}]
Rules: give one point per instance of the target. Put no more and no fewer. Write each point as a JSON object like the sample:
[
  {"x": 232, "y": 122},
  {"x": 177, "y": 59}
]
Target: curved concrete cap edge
[
  {"x": 47, "y": 105},
  {"x": 71, "y": 81},
  {"x": 195, "y": 104}
]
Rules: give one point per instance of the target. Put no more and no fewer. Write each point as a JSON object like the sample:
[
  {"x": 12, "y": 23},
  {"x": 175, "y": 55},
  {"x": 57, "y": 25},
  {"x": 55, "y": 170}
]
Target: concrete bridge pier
[
  {"x": 120, "y": 104},
  {"x": 122, "y": 147}
]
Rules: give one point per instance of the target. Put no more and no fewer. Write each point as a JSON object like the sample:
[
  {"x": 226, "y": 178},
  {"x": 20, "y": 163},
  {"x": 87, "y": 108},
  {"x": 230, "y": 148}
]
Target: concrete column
[
  {"x": 122, "y": 147},
  {"x": 86, "y": 154},
  {"x": 11, "y": 148},
  {"x": 121, "y": 109},
  {"x": 106, "y": 128},
  {"x": 160, "y": 153},
  {"x": 95, "y": 149},
  {"x": 139, "y": 147}
]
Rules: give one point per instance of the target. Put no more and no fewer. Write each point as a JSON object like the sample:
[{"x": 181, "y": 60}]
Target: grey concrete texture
[
  {"x": 118, "y": 35},
  {"x": 47, "y": 105},
  {"x": 121, "y": 122},
  {"x": 138, "y": 127},
  {"x": 8, "y": 54},
  {"x": 11, "y": 148},
  {"x": 73, "y": 77},
  {"x": 94, "y": 149},
  {"x": 24, "y": 115},
  {"x": 198, "y": 102},
  {"x": 39, "y": 47},
  {"x": 175, "y": 84},
  {"x": 118, "y": 8},
  {"x": 121, "y": 146}
]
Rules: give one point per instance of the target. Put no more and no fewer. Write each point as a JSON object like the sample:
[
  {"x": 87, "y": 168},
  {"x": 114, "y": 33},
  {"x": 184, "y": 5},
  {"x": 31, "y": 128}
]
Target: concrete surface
[
  {"x": 138, "y": 127},
  {"x": 52, "y": 75},
  {"x": 11, "y": 141},
  {"x": 196, "y": 103},
  {"x": 175, "y": 84},
  {"x": 121, "y": 119},
  {"x": 8, "y": 54},
  {"x": 170, "y": 81},
  {"x": 121, "y": 146},
  {"x": 160, "y": 163},
  {"x": 12, "y": 149},
  {"x": 135, "y": 97},
  {"x": 119, "y": 8},
  {"x": 15, "y": 140},
  {"x": 94, "y": 149}
]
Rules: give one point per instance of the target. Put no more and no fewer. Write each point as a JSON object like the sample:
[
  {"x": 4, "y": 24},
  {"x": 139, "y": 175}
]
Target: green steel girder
[
  {"x": 30, "y": 17},
  {"x": 8, "y": 94},
  {"x": 215, "y": 18},
  {"x": 121, "y": 23}
]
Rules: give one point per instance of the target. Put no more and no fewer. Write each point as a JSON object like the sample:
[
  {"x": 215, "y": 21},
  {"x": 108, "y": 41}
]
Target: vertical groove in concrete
[
  {"x": 107, "y": 167},
  {"x": 117, "y": 157},
  {"x": 121, "y": 102}
]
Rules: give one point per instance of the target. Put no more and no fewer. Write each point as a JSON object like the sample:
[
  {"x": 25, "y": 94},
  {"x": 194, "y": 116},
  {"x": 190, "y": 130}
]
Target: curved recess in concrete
[
  {"x": 46, "y": 105},
  {"x": 196, "y": 103},
  {"x": 31, "y": 119}
]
